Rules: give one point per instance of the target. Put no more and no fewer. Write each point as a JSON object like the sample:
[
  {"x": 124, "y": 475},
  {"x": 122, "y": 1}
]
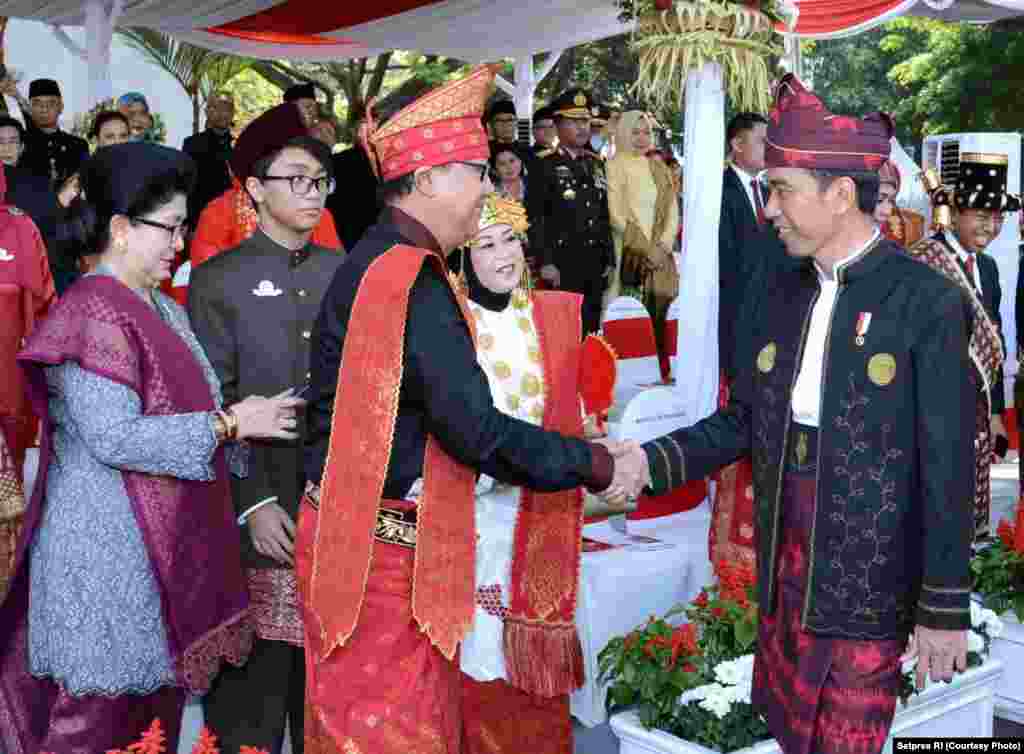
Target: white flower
[
  {"x": 975, "y": 642},
  {"x": 735, "y": 672},
  {"x": 718, "y": 703},
  {"x": 994, "y": 626},
  {"x": 977, "y": 614},
  {"x": 698, "y": 694}
]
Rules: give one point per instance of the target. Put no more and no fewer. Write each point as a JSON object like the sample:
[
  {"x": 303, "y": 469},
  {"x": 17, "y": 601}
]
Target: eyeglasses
[
  {"x": 176, "y": 231},
  {"x": 482, "y": 167},
  {"x": 301, "y": 185}
]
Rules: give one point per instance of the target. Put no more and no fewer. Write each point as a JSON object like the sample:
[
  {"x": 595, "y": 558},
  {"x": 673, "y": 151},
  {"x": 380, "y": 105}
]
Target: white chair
[{"x": 628, "y": 328}]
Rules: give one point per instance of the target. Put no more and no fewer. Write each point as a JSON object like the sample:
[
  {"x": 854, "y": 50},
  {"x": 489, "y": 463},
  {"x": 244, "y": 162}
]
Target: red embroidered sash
[
  {"x": 542, "y": 649},
  {"x": 986, "y": 351},
  {"x": 362, "y": 430}
]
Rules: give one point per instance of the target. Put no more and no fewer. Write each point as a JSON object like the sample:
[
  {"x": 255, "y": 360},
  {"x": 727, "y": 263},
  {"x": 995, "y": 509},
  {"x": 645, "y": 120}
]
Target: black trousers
[{"x": 250, "y": 705}]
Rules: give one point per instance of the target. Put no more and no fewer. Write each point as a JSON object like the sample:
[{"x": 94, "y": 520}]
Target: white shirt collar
[
  {"x": 743, "y": 174},
  {"x": 845, "y": 260}
]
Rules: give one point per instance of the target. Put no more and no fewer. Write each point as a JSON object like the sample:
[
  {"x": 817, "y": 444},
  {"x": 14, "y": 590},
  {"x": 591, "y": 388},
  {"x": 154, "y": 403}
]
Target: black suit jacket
[
  {"x": 992, "y": 297},
  {"x": 748, "y": 255},
  {"x": 253, "y": 309},
  {"x": 211, "y": 154},
  {"x": 354, "y": 202}
]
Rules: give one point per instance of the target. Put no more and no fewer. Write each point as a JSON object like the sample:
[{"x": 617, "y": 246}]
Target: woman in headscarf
[
  {"x": 642, "y": 203},
  {"x": 903, "y": 226},
  {"x": 522, "y": 657},
  {"x": 128, "y": 590}
]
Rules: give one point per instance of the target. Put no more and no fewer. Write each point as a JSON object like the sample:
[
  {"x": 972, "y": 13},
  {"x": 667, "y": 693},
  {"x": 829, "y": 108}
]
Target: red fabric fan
[{"x": 597, "y": 376}]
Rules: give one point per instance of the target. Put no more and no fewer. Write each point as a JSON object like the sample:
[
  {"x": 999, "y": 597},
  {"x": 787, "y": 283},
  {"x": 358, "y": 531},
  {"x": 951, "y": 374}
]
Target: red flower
[
  {"x": 1006, "y": 533},
  {"x": 702, "y": 599},
  {"x": 717, "y": 612},
  {"x": 153, "y": 740},
  {"x": 684, "y": 643},
  {"x": 688, "y": 668},
  {"x": 207, "y": 743}
]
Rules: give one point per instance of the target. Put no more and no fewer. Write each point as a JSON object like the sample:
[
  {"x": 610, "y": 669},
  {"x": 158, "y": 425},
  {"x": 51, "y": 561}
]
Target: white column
[
  {"x": 704, "y": 155},
  {"x": 100, "y": 21}
]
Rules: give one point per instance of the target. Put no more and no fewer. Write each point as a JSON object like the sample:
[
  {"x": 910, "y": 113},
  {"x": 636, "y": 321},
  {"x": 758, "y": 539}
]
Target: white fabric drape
[
  {"x": 164, "y": 15},
  {"x": 696, "y": 371}
]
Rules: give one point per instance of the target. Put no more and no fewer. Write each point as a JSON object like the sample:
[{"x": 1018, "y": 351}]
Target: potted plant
[
  {"x": 684, "y": 687},
  {"x": 997, "y": 573}
]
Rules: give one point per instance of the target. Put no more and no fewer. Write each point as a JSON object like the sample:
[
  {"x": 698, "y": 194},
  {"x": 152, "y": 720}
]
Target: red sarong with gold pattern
[
  {"x": 819, "y": 695},
  {"x": 731, "y": 536}
]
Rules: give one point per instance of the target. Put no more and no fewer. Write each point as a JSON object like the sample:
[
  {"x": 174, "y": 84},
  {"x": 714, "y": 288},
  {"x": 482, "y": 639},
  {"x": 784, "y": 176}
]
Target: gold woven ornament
[
  {"x": 500, "y": 210},
  {"x": 671, "y": 43}
]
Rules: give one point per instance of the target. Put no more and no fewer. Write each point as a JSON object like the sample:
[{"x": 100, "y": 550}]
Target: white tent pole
[
  {"x": 704, "y": 155},
  {"x": 69, "y": 44},
  {"x": 99, "y": 33},
  {"x": 549, "y": 65},
  {"x": 505, "y": 85}
]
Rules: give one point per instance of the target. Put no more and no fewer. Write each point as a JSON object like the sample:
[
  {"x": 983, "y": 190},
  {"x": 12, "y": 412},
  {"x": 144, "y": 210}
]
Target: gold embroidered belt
[{"x": 395, "y": 526}]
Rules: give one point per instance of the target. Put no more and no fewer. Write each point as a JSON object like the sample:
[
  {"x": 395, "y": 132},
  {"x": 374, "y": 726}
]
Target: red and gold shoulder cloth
[
  {"x": 357, "y": 460},
  {"x": 541, "y": 646}
]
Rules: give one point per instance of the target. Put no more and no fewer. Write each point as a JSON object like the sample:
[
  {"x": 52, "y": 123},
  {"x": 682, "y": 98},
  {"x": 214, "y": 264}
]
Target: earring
[
  {"x": 459, "y": 282},
  {"x": 521, "y": 295},
  {"x": 120, "y": 244}
]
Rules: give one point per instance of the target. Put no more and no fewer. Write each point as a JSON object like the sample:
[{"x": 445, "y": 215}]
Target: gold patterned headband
[{"x": 499, "y": 210}]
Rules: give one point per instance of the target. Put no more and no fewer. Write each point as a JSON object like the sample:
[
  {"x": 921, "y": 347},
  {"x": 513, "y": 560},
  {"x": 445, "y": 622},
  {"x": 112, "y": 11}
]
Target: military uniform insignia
[
  {"x": 882, "y": 369},
  {"x": 581, "y": 100},
  {"x": 766, "y": 359},
  {"x": 863, "y": 325},
  {"x": 6, "y": 256},
  {"x": 569, "y": 194}
]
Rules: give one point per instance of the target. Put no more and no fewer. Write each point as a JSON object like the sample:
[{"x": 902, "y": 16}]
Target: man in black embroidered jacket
[{"x": 854, "y": 399}]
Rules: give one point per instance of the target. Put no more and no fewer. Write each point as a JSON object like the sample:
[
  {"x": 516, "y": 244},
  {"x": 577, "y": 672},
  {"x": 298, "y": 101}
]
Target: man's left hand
[{"x": 939, "y": 652}]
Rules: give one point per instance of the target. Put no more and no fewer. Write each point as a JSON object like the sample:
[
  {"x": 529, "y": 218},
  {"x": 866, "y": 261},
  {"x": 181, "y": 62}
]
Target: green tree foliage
[
  {"x": 964, "y": 77},
  {"x": 932, "y": 76},
  {"x": 199, "y": 71}
]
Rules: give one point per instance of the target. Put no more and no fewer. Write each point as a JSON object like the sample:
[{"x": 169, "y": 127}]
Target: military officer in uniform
[
  {"x": 252, "y": 308},
  {"x": 570, "y": 233},
  {"x": 49, "y": 151}
]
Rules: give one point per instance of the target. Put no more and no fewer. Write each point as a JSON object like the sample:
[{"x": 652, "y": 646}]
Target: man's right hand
[
  {"x": 550, "y": 274},
  {"x": 273, "y": 533},
  {"x": 632, "y": 473}
]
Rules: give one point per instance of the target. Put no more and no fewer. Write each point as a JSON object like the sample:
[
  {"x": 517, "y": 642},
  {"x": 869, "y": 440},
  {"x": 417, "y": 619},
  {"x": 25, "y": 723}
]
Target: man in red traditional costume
[
  {"x": 399, "y": 403},
  {"x": 26, "y": 293},
  {"x": 855, "y": 402},
  {"x": 968, "y": 217}
]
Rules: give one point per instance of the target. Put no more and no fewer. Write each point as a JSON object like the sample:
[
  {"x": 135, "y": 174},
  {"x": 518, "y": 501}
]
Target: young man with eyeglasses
[
  {"x": 231, "y": 218},
  {"x": 253, "y": 309}
]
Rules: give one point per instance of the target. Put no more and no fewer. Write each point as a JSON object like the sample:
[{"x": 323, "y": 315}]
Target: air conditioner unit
[{"x": 943, "y": 153}]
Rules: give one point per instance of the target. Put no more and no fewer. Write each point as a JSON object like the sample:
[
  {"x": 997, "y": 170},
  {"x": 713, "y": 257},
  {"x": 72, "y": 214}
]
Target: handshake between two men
[{"x": 632, "y": 473}]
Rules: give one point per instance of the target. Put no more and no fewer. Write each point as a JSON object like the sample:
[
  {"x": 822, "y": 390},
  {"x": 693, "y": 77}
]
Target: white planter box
[
  {"x": 963, "y": 708},
  {"x": 1010, "y": 649}
]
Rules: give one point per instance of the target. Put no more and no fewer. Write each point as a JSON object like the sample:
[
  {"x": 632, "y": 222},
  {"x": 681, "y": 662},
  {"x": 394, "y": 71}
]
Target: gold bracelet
[
  {"x": 220, "y": 427},
  {"x": 232, "y": 424}
]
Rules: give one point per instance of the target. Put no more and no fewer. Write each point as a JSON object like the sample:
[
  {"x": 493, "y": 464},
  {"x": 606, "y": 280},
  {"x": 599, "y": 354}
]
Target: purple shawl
[{"x": 188, "y": 526}]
